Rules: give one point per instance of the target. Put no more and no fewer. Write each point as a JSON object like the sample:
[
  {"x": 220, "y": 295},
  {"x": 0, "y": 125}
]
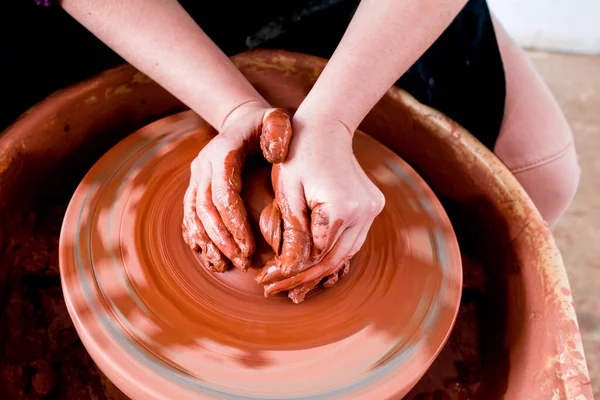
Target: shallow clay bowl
[
  {"x": 516, "y": 335},
  {"x": 160, "y": 325}
]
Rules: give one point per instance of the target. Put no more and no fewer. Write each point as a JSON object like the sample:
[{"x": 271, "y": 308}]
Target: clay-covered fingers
[
  {"x": 270, "y": 224},
  {"x": 296, "y": 239},
  {"x": 275, "y": 136},
  {"x": 216, "y": 229},
  {"x": 270, "y": 272},
  {"x": 271, "y": 227},
  {"x": 332, "y": 279},
  {"x": 298, "y": 294},
  {"x": 344, "y": 267},
  {"x": 226, "y": 186},
  {"x": 196, "y": 237},
  {"x": 333, "y": 262},
  {"x": 325, "y": 229}
]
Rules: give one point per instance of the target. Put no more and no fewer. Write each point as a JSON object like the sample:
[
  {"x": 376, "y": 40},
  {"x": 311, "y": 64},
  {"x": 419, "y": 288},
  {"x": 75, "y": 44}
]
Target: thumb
[
  {"x": 296, "y": 239},
  {"x": 270, "y": 226},
  {"x": 276, "y": 134}
]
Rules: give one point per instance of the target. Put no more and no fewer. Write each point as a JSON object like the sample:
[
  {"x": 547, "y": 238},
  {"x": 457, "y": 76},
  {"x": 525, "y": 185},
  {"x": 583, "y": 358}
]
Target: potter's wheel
[{"x": 161, "y": 326}]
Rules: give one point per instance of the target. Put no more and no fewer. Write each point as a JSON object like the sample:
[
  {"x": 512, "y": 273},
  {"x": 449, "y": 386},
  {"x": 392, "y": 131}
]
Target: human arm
[
  {"x": 159, "y": 38},
  {"x": 384, "y": 38},
  {"x": 329, "y": 201},
  {"x": 163, "y": 41}
]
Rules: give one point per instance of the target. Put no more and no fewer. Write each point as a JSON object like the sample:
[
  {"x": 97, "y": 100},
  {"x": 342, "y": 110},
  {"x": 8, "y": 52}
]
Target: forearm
[
  {"x": 383, "y": 40},
  {"x": 160, "y": 39}
]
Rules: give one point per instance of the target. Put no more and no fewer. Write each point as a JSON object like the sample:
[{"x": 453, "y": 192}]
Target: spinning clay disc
[{"x": 161, "y": 326}]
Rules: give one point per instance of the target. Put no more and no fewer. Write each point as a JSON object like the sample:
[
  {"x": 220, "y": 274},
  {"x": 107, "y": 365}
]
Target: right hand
[
  {"x": 215, "y": 222},
  {"x": 326, "y": 203}
]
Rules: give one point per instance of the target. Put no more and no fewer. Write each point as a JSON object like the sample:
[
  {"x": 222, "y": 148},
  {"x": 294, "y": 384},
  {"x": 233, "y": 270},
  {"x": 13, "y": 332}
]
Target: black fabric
[
  {"x": 43, "y": 49},
  {"x": 462, "y": 74}
]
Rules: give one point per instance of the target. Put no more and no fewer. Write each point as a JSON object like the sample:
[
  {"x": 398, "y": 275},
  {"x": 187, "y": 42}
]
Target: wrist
[
  {"x": 247, "y": 107},
  {"x": 314, "y": 121},
  {"x": 316, "y": 114},
  {"x": 319, "y": 132}
]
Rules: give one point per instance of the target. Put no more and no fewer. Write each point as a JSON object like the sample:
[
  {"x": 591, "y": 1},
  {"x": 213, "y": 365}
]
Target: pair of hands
[{"x": 324, "y": 202}]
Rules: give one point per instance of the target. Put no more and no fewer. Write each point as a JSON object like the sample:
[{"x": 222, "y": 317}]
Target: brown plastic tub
[{"x": 516, "y": 336}]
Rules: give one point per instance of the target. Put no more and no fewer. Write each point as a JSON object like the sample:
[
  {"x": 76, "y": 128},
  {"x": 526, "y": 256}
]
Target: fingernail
[
  {"x": 270, "y": 290},
  {"x": 275, "y": 136},
  {"x": 267, "y": 291},
  {"x": 269, "y": 274},
  {"x": 270, "y": 224}
]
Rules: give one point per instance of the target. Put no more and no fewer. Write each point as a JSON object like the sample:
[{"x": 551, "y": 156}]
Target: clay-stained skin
[
  {"x": 299, "y": 244},
  {"x": 324, "y": 233},
  {"x": 270, "y": 272},
  {"x": 271, "y": 275},
  {"x": 333, "y": 278},
  {"x": 231, "y": 206},
  {"x": 227, "y": 216},
  {"x": 275, "y": 136},
  {"x": 270, "y": 226},
  {"x": 319, "y": 271},
  {"x": 205, "y": 207},
  {"x": 297, "y": 295},
  {"x": 296, "y": 240},
  {"x": 197, "y": 238}
]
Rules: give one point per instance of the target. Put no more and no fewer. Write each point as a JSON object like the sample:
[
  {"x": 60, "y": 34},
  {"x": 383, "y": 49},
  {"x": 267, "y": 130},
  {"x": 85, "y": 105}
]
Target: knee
[
  {"x": 535, "y": 141},
  {"x": 552, "y": 183}
]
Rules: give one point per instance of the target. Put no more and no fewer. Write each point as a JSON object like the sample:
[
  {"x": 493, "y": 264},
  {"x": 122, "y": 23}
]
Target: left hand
[{"x": 215, "y": 222}]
